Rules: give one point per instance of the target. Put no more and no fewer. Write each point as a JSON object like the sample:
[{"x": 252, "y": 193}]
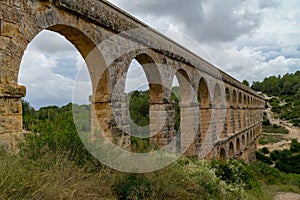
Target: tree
[
  {"x": 245, "y": 82},
  {"x": 298, "y": 93}
]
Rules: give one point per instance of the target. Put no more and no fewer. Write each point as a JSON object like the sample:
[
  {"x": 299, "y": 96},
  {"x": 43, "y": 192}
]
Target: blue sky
[{"x": 246, "y": 39}]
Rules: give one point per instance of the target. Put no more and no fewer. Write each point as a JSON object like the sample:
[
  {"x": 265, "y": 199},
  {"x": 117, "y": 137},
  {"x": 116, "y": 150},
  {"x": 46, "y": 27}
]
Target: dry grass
[{"x": 51, "y": 177}]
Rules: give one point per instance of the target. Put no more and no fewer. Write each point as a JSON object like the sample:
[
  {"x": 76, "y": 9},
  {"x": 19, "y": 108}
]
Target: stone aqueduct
[{"x": 222, "y": 116}]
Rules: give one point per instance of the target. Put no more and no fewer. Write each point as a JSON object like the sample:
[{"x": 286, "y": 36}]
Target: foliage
[
  {"x": 287, "y": 89},
  {"x": 285, "y": 160},
  {"x": 132, "y": 186},
  {"x": 288, "y": 84},
  {"x": 52, "y": 129},
  {"x": 245, "y": 82},
  {"x": 235, "y": 172},
  {"x": 261, "y": 157},
  {"x": 288, "y": 160},
  {"x": 295, "y": 146},
  {"x": 274, "y": 128},
  {"x": 267, "y": 138},
  {"x": 52, "y": 165},
  {"x": 139, "y": 113},
  {"x": 265, "y": 150},
  {"x": 139, "y": 107}
]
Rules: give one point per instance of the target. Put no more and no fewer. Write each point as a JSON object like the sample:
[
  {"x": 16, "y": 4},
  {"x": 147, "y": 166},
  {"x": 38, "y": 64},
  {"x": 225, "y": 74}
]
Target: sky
[{"x": 247, "y": 39}]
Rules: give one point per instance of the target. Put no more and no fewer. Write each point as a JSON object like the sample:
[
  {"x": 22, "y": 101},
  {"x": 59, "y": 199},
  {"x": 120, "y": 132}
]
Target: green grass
[
  {"x": 266, "y": 138},
  {"x": 273, "y": 128},
  {"x": 55, "y": 165}
]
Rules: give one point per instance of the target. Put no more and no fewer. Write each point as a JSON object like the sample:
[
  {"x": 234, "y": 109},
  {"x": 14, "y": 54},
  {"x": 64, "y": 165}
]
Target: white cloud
[
  {"x": 247, "y": 39},
  {"x": 50, "y": 43},
  {"x": 50, "y": 76},
  {"x": 136, "y": 78}
]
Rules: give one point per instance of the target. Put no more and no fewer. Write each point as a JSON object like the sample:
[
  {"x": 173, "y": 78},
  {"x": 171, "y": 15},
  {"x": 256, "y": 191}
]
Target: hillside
[
  {"x": 285, "y": 96},
  {"x": 271, "y": 137}
]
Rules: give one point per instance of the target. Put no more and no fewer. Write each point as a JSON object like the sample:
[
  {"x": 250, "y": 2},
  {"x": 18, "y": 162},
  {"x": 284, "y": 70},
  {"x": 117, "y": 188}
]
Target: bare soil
[
  {"x": 287, "y": 196},
  {"x": 294, "y": 132}
]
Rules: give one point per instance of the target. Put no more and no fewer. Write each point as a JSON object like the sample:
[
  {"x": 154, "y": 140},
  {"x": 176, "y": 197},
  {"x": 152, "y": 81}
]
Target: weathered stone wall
[{"x": 226, "y": 112}]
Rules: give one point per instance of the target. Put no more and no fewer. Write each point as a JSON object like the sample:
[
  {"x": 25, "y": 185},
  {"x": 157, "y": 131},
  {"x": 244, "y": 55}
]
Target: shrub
[
  {"x": 295, "y": 146},
  {"x": 269, "y": 174},
  {"x": 289, "y": 164},
  {"x": 132, "y": 187},
  {"x": 296, "y": 122},
  {"x": 261, "y": 157},
  {"x": 236, "y": 172},
  {"x": 266, "y": 121},
  {"x": 275, "y": 155},
  {"x": 265, "y": 150}
]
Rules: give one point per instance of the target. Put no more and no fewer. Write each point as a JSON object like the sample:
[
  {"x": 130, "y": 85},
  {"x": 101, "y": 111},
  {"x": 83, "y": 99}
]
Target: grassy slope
[{"x": 54, "y": 165}]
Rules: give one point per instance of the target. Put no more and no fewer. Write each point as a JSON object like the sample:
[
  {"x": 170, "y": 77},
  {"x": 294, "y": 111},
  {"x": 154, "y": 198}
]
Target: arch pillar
[
  {"x": 162, "y": 115},
  {"x": 11, "y": 113},
  {"x": 189, "y": 126}
]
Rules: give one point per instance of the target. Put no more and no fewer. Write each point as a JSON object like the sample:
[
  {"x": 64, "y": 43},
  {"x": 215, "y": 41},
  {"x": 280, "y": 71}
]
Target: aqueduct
[{"x": 222, "y": 116}]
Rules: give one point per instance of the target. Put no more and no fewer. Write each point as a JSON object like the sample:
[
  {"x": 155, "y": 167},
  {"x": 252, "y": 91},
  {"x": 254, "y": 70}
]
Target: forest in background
[{"x": 285, "y": 93}]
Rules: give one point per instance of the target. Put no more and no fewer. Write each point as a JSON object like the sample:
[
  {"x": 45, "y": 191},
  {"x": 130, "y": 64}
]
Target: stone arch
[
  {"x": 248, "y": 139},
  {"x": 189, "y": 114},
  {"x": 155, "y": 100},
  {"x": 235, "y": 111},
  {"x": 243, "y": 142},
  {"x": 227, "y": 95},
  {"x": 227, "y": 125},
  {"x": 204, "y": 94},
  {"x": 222, "y": 154},
  {"x": 231, "y": 150},
  {"x": 205, "y": 107},
  {"x": 245, "y": 111},
  {"x": 234, "y": 99},
  {"x": 238, "y": 146},
  {"x": 85, "y": 46},
  {"x": 240, "y": 100},
  {"x": 186, "y": 90},
  {"x": 217, "y": 96},
  {"x": 153, "y": 76},
  {"x": 219, "y": 112},
  {"x": 240, "y": 112},
  {"x": 98, "y": 71}
]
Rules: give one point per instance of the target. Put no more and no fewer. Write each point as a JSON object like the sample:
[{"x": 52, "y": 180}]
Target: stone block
[{"x": 8, "y": 29}]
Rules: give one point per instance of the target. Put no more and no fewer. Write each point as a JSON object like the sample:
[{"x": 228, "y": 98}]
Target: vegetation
[
  {"x": 53, "y": 164},
  {"x": 139, "y": 113},
  {"x": 286, "y": 160},
  {"x": 245, "y": 82},
  {"x": 286, "y": 95},
  {"x": 272, "y": 133}
]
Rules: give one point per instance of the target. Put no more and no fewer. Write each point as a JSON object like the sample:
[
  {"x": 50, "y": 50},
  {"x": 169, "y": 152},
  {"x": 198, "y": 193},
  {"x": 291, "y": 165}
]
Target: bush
[
  {"x": 289, "y": 165},
  {"x": 53, "y": 130},
  {"x": 265, "y": 150},
  {"x": 295, "y": 146},
  {"x": 261, "y": 157},
  {"x": 266, "y": 122},
  {"x": 269, "y": 174},
  {"x": 132, "y": 187},
  {"x": 296, "y": 122},
  {"x": 275, "y": 155},
  {"x": 235, "y": 172}
]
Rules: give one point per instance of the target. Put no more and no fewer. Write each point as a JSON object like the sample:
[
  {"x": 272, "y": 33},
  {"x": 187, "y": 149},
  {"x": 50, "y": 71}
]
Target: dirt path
[
  {"x": 287, "y": 196},
  {"x": 294, "y": 132}
]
